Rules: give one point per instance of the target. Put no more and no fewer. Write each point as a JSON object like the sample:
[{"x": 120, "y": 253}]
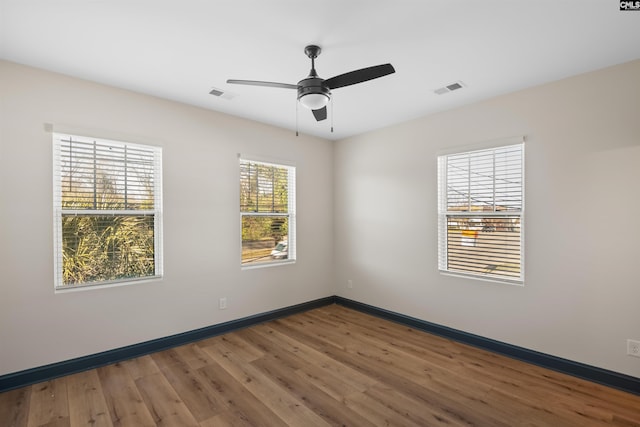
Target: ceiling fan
[{"x": 315, "y": 92}]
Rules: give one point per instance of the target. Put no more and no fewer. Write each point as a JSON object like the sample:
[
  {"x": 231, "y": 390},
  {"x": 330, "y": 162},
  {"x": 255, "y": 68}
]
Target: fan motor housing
[{"x": 312, "y": 85}]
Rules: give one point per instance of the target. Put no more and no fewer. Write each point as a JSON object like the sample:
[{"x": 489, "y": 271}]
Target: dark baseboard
[
  {"x": 44, "y": 373},
  {"x": 598, "y": 375},
  {"x": 54, "y": 370}
]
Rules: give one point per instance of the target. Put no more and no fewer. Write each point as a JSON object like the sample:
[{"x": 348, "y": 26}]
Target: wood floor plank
[
  {"x": 227, "y": 419},
  {"x": 325, "y": 373},
  {"x": 330, "y": 409},
  {"x": 165, "y": 358},
  {"x": 265, "y": 341},
  {"x": 326, "y": 366},
  {"x": 407, "y": 408},
  {"x": 49, "y": 404},
  {"x": 192, "y": 389},
  {"x": 440, "y": 350},
  {"x": 244, "y": 349},
  {"x": 193, "y": 355},
  {"x": 240, "y": 402},
  {"x": 529, "y": 412},
  {"x": 126, "y": 407},
  {"x": 14, "y": 407},
  {"x": 359, "y": 348},
  {"x": 320, "y": 360},
  {"x": 87, "y": 405},
  {"x": 140, "y": 366},
  {"x": 378, "y": 413},
  {"x": 164, "y": 404},
  {"x": 291, "y": 410}
]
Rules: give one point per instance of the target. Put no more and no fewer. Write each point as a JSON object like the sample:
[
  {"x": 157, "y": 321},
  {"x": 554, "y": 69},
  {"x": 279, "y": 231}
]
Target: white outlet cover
[{"x": 633, "y": 348}]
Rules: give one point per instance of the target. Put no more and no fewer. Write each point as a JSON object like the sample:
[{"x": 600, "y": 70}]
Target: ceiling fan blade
[
  {"x": 320, "y": 114},
  {"x": 259, "y": 83},
  {"x": 359, "y": 76}
]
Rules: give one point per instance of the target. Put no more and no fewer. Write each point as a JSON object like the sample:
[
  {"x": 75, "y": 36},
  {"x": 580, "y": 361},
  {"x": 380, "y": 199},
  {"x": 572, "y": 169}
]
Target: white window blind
[
  {"x": 481, "y": 207},
  {"x": 267, "y": 208},
  {"x": 107, "y": 211}
]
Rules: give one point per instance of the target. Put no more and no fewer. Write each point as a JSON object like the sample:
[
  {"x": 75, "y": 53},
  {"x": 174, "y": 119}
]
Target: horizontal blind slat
[
  {"x": 263, "y": 188},
  {"x": 106, "y": 175},
  {"x": 484, "y": 245}
]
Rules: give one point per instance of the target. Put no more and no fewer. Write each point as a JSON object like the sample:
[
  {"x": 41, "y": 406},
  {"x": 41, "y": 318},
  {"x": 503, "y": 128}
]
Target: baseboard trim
[
  {"x": 44, "y": 373},
  {"x": 54, "y": 370},
  {"x": 591, "y": 373}
]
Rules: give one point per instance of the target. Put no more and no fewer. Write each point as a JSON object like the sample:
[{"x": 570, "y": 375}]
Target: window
[
  {"x": 268, "y": 211},
  {"x": 480, "y": 213},
  {"x": 107, "y": 211}
]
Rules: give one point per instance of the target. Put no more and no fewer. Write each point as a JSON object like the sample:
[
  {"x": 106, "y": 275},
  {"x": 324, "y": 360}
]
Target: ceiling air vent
[
  {"x": 221, "y": 94},
  {"x": 449, "y": 88}
]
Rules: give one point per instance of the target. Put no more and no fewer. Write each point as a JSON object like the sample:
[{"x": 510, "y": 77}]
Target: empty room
[{"x": 252, "y": 213}]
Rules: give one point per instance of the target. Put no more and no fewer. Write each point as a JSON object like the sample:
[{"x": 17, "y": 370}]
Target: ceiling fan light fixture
[
  {"x": 314, "y": 101},
  {"x": 314, "y": 92}
]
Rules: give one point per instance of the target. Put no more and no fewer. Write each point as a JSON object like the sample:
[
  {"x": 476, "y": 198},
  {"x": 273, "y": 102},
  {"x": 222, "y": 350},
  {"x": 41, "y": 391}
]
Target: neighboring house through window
[
  {"x": 107, "y": 211},
  {"x": 268, "y": 212},
  {"x": 480, "y": 213}
]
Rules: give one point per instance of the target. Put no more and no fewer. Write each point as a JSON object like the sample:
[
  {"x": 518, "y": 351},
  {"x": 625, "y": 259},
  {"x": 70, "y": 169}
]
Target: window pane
[
  {"x": 106, "y": 175},
  {"x": 485, "y": 180},
  {"x": 263, "y": 188},
  {"x": 106, "y": 248},
  {"x": 485, "y": 245},
  {"x": 457, "y": 180},
  {"x": 508, "y": 173},
  {"x": 480, "y": 207},
  {"x": 264, "y": 238},
  {"x": 107, "y": 205}
]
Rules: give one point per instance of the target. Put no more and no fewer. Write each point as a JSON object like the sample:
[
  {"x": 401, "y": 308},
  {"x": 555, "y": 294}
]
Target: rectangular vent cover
[
  {"x": 449, "y": 88},
  {"x": 221, "y": 94}
]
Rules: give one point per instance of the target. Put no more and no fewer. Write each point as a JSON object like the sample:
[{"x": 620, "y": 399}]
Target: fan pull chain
[
  {"x": 332, "y": 114},
  {"x": 296, "y": 117}
]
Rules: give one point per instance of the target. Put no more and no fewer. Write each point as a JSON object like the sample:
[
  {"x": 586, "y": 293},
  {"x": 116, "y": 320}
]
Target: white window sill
[
  {"x": 492, "y": 279},
  {"x": 103, "y": 285},
  {"x": 267, "y": 264}
]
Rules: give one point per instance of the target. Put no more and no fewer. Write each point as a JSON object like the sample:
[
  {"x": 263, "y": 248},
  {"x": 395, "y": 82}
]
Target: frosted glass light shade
[{"x": 314, "y": 101}]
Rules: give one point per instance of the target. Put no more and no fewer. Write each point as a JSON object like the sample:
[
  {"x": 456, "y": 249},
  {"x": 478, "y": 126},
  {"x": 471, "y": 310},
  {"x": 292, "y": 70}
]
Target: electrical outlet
[
  {"x": 222, "y": 303},
  {"x": 633, "y": 348},
  {"x": 350, "y": 284}
]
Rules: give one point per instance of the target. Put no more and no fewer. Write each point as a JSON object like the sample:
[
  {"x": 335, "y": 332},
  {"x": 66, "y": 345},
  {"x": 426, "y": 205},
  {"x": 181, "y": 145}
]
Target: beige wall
[
  {"x": 581, "y": 298},
  {"x": 201, "y": 220}
]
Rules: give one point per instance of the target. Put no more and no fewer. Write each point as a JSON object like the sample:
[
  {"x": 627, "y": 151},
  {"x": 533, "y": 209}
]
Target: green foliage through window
[{"x": 106, "y": 248}]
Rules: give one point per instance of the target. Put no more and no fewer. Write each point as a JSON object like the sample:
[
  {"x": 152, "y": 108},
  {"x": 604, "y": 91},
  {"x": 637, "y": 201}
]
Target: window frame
[
  {"x": 59, "y": 212},
  {"x": 444, "y": 214},
  {"x": 291, "y": 216}
]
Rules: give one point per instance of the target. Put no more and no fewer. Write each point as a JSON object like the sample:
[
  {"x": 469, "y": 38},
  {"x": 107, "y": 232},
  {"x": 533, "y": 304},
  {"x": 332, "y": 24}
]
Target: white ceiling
[{"x": 180, "y": 50}]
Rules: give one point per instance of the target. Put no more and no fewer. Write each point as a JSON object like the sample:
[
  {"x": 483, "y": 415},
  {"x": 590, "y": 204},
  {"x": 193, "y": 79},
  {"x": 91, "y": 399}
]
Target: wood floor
[{"x": 329, "y": 366}]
